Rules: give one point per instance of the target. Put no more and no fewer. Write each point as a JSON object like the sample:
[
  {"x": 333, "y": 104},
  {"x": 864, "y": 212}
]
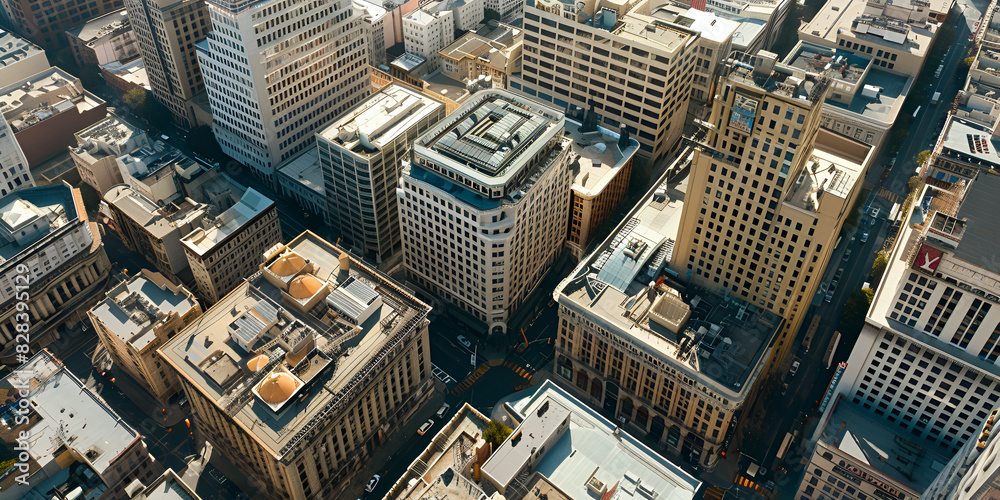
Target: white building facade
[{"x": 425, "y": 33}]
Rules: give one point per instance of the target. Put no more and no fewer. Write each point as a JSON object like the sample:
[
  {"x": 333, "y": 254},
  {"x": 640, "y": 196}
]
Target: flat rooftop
[
  {"x": 836, "y": 166},
  {"x": 487, "y": 45},
  {"x": 587, "y": 450},
  {"x": 306, "y": 170},
  {"x": 893, "y": 90},
  {"x": 907, "y": 459},
  {"x": 599, "y": 157},
  {"x": 711, "y": 26},
  {"x": 101, "y": 26},
  {"x": 378, "y": 120},
  {"x": 168, "y": 486},
  {"x": 28, "y": 215},
  {"x": 201, "y": 241},
  {"x": 969, "y": 142},
  {"x": 131, "y": 309},
  {"x": 156, "y": 220},
  {"x": 111, "y": 131},
  {"x": 834, "y": 63},
  {"x": 43, "y": 95},
  {"x": 719, "y": 340},
  {"x": 133, "y": 72},
  {"x": 293, "y": 343},
  {"x": 14, "y": 48},
  {"x": 439, "y": 84},
  {"x": 977, "y": 224},
  {"x": 837, "y": 16},
  {"x": 764, "y": 72},
  {"x": 408, "y": 62}
]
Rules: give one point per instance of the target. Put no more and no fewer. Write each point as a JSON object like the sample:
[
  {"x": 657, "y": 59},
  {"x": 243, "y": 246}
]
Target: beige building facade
[
  {"x": 99, "y": 147},
  {"x": 495, "y": 53}
]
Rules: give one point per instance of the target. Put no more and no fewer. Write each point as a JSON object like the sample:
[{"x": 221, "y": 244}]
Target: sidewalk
[{"x": 134, "y": 390}]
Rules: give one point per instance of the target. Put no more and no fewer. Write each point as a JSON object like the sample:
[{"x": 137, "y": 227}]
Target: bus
[{"x": 784, "y": 445}]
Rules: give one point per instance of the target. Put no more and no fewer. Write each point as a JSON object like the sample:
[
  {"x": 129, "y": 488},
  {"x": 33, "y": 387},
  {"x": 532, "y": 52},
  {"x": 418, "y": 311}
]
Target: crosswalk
[
  {"x": 714, "y": 493},
  {"x": 889, "y": 195},
  {"x": 442, "y": 375},
  {"x": 483, "y": 368},
  {"x": 471, "y": 379}
]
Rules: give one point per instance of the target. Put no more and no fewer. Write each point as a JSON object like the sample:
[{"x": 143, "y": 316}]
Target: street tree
[
  {"x": 923, "y": 156},
  {"x": 881, "y": 261},
  {"x": 855, "y": 310},
  {"x": 496, "y": 433}
]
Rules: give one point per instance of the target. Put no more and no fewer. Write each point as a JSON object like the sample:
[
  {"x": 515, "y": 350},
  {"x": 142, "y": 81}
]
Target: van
[{"x": 165, "y": 137}]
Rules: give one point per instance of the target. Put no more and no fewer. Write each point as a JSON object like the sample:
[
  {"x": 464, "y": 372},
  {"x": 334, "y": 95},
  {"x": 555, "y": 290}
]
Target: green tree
[
  {"x": 136, "y": 99},
  {"x": 968, "y": 61},
  {"x": 496, "y": 433},
  {"x": 923, "y": 156},
  {"x": 914, "y": 182},
  {"x": 7, "y": 464},
  {"x": 881, "y": 261},
  {"x": 855, "y": 310}
]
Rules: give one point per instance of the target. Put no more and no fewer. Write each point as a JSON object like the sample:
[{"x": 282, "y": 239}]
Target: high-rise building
[
  {"x": 46, "y": 230},
  {"x": 632, "y": 68},
  {"x": 926, "y": 358},
  {"x": 304, "y": 369},
  {"x": 21, "y": 58},
  {"x": 774, "y": 191},
  {"x": 276, "y": 73},
  {"x": 426, "y": 32},
  {"x": 360, "y": 155},
  {"x": 46, "y": 25},
  {"x": 480, "y": 201},
  {"x": 78, "y": 447},
  {"x": 135, "y": 318},
  {"x": 167, "y": 31},
  {"x": 13, "y": 164},
  {"x": 230, "y": 246},
  {"x": 374, "y": 21},
  {"x": 973, "y": 473},
  {"x": 102, "y": 40},
  {"x": 99, "y": 147}
]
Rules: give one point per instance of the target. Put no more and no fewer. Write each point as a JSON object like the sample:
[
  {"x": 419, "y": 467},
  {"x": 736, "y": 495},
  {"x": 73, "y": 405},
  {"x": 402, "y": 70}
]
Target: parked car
[
  {"x": 443, "y": 410},
  {"x": 464, "y": 341},
  {"x": 372, "y": 483},
  {"x": 426, "y": 427},
  {"x": 165, "y": 137},
  {"x": 795, "y": 368},
  {"x": 847, "y": 255},
  {"x": 864, "y": 236}
]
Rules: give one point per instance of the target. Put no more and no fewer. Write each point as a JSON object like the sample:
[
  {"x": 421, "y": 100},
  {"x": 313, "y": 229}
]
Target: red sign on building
[{"x": 927, "y": 259}]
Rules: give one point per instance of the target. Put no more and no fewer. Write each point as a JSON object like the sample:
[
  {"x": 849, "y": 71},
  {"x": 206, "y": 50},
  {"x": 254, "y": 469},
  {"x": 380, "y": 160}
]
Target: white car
[
  {"x": 464, "y": 341},
  {"x": 864, "y": 236},
  {"x": 443, "y": 410},
  {"x": 795, "y": 368},
  {"x": 426, "y": 427},
  {"x": 372, "y": 483}
]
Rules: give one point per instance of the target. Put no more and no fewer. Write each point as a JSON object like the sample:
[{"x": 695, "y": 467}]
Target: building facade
[
  {"x": 315, "y": 338},
  {"x": 479, "y": 199},
  {"x": 972, "y": 474},
  {"x": 46, "y": 25},
  {"x": 375, "y": 19},
  {"x": 360, "y": 155},
  {"x": 426, "y": 32},
  {"x": 229, "y": 247},
  {"x": 167, "y": 31},
  {"x": 20, "y": 58},
  {"x": 266, "y": 105},
  {"x": 13, "y": 164},
  {"x": 99, "y": 147},
  {"x": 102, "y": 40},
  {"x": 136, "y": 318},
  {"x": 301, "y": 180},
  {"x": 494, "y": 53}
]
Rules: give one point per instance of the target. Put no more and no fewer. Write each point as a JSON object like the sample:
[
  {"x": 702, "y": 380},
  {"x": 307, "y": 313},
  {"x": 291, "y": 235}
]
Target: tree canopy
[
  {"x": 855, "y": 309},
  {"x": 496, "y": 433}
]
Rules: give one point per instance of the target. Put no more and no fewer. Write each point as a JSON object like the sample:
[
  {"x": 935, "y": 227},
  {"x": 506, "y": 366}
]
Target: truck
[{"x": 936, "y": 98}]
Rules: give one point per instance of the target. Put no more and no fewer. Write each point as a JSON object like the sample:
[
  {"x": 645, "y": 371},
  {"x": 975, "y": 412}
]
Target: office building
[
  {"x": 168, "y": 486},
  {"x": 44, "y": 110},
  {"x": 494, "y": 53},
  {"x": 79, "y": 446},
  {"x": 639, "y": 70},
  {"x": 760, "y": 20},
  {"x": 926, "y": 359},
  {"x": 897, "y": 37},
  {"x": 267, "y": 105},
  {"x": 135, "y": 318},
  {"x": 19, "y": 58},
  {"x": 714, "y": 44},
  {"x": 128, "y": 76},
  {"x": 46, "y": 229},
  {"x": 973, "y": 473},
  {"x": 98, "y": 148},
  {"x": 230, "y": 246},
  {"x": 479, "y": 200},
  {"x": 963, "y": 150},
  {"x": 301, "y": 179},
  {"x": 104, "y": 39},
  {"x": 511, "y": 11},
  {"x": 426, "y": 32},
  {"x": 601, "y": 165},
  {"x": 775, "y": 190},
  {"x": 305, "y": 368},
  {"x": 167, "y": 31},
  {"x": 46, "y": 27},
  {"x": 858, "y": 456},
  {"x": 13, "y": 164},
  {"x": 360, "y": 154},
  {"x": 374, "y": 19}
]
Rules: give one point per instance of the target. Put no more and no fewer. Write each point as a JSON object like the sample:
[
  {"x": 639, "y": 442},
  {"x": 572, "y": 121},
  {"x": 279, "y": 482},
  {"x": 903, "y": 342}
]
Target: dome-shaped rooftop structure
[
  {"x": 276, "y": 388},
  {"x": 305, "y": 286},
  {"x": 287, "y": 265},
  {"x": 258, "y": 362}
]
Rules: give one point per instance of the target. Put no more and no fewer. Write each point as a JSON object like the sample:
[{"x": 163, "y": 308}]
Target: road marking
[{"x": 442, "y": 375}]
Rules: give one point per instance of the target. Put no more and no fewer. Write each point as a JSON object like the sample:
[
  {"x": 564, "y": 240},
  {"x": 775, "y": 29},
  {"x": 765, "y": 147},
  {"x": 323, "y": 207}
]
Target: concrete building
[
  {"x": 266, "y": 103},
  {"x": 19, "y": 58},
  {"x": 760, "y": 20},
  {"x": 46, "y": 229},
  {"x": 229, "y": 247},
  {"x": 494, "y": 52},
  {"x": 301, "y": 180},
  {"x": 137, "y": 317},
  {"x": 566, "y": 450},
  {"x": 630, "y": 67},
  {"x": 169, "y": 486},
  {"x": 374, "y": 21},
  {"x": 715, "y": 43},
  {"x": 601, "y": 164},
  {"x": 301, "y": 371},
  {"x": 104, "y": 39},
  {"x": 428, "y": 31},
  {"x": 777, "y": 190},
  {"x": 98, "y": 148},
  {"x": 857, "y": 456},
  {"x": 479, "y": 200},
  {"x": 79, "y": 446},
  {"x": 360, "y": 155},
  {"x": 45, "y": 26},
  {"x": 972, "y": 474},
  {"x": 864, "y": 101},
  {"x": 167, "y": 31},
  {"x": 511, "y": 11},
  {"x": 926, "y": 358},
  {"x": 128, "y": 76},
  {"x": 964, "y": 149},
  {"x": 44, "y": 110},
  {"x": 897, "y": 37},
  {"x": 13, "y": 164}
]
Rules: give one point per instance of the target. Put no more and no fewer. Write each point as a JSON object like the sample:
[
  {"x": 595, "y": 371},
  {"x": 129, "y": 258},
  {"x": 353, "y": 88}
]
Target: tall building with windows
[
  {"x": 167, "y": 31},
  {"x": 632, "y": 68},
  {"x": 974, "y": 472},
  {"x": 45, "y": 24},
  {"x": 276, "y": 72},
  {"x": 304, "y": 369},
  {"x": 773, "y": 192},
  {"x": 481, "y": 202},
  {"x": 926, "y": 358},
  {"x": 360, "y": 155}
]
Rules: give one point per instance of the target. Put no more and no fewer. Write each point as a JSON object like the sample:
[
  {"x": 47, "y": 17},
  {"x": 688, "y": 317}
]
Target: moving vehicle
[
  {"x": 165, "y": 137},
  {"x": 847, "y": 254},
  {"x": 443, "y": 410},
  {"x": 372, "y": 483},
  {"x": 464, "y": 341},
  {"x": 937, "y": 96},
  {"x": 864, "y": 236},
  {"x": 795, "y": 368},
  {"x": 425, "y": 427}
]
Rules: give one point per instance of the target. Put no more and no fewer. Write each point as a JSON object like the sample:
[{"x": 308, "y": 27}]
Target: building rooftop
[
  {"x": 711, "y": 26},
  {"x": 599, "y": 156},
  {"x": 65, "y": 415},
  {"x": 305, "y": 170},
  {"x": 158, "y": 221},
  {"x": 836, "y": 166},
  {"x": 969, "y": 142},
  {"x": 979, "y": 226},
  {"x": 589, "y": 455},
  {"x": 907, "y": 459},
  {"x": 492, "y": 137},
  {"x": 168, "y": 486},
  {"x": 408, "y": 62},
  {"x": 426, "y": 14},
  {"x": 375, "y": 10},
  {"x": 834, "y": 63},
  {"x": 131, "y": 309},
  {"x": 488, "y": 45},
  {"x": 133, "y": 72},
  {"x": 717, "y": 339},
  {"x": 42, "y": 96},
  {"x": 292, "y": 344},
  {"x": 14, "y": 48},
  {"x": 378, "y": 120},
  {"x": 101, "y": 26},
  {"x": 439, "y": 84},
  {"x": 111, "y": 136},
  {"x": 28, "y": 215},
  {"x": 203, "y": 240},
  {"x": 762, "y": 71},
  {"x": 855, "y": 16}
]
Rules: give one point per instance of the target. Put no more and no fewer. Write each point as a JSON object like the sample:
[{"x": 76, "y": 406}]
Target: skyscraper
[{"x": 277, "y": 72}]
